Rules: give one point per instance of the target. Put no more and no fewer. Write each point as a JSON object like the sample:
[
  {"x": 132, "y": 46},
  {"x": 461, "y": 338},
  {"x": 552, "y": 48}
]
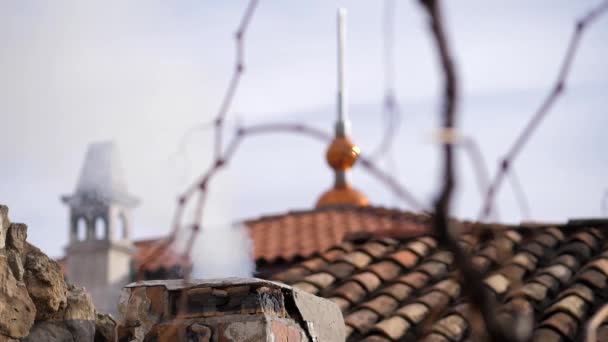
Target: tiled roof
[
  {"x": 307, "y": 233},
  {"x": 167, "y": 259},
  {"x": 392, "y": 289}
]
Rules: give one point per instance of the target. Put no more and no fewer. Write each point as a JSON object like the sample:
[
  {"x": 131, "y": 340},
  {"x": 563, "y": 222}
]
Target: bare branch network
[{"x": 483, "y": 303}]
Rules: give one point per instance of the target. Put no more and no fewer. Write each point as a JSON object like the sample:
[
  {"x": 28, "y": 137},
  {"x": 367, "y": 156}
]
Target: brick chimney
[{"x": 231, "y": 309}]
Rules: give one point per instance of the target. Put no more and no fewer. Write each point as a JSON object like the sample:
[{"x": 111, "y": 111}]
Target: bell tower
[{"x": 100, "y": 251}]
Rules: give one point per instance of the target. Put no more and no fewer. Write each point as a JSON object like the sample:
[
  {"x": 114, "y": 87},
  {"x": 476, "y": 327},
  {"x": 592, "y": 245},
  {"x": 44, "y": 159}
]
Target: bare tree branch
[
  {"x": 553, "y": 95},
  {"x": 480, "y": 297},
  {"x": 604, "y": 204},
  {"x": 391, "y": 111},
  {"x": 239, "y": 69},
  {"x": 520, "y": 195}
]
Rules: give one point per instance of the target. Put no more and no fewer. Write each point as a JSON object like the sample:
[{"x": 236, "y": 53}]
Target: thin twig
[
  {"x": 480, "y": 167},
  {"x": 239, "y": 69},
  {"x": 553, "y": 95},
  {"x": 604, "y": 204},
  {"x": 520, "y": 195},
  {"x": 391, "y": 111},
  {"x": 479, "y": 295}
]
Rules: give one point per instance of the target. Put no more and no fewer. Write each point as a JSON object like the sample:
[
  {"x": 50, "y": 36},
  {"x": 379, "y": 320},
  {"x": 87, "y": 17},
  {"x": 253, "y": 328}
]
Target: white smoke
[{"x": 223, "y": 251}]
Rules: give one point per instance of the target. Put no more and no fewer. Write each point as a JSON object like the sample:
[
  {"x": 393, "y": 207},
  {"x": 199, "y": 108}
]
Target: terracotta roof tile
[
  {"x": 453, "y": 327},
  {"x": 574, "y": 305},
  {"x": 548, "y": 281},
  {"x": 525, "y": 260},
  {"x": 498, "y": 283},
  {"x": 449, "y": 287},
  {"x": 443, "y": 256},
  {"x": 342, "y": 303},
  {"x": 433, "y": 269},
  {"x": 415, "y": 280},
  {"x": 587, "y": 238},
  {"x": 320, "y": 280},
  {"x": 547, "y": 335},
  {"x": 548, "y": 240},
  {"x": 562, "y": 322},
  {"x": 559, "y": 271},
  {"x": 435, "y": 300},
  {"x": 434, "y": 337},
  {"x": 534, "y": 248},
  {"x": 481, "y": 263},
  {"x": 307, "y": 287},
  {"x": 414, "y": 312},
  {"x": 383, "y": 305},
  {"x": 600, "y": 265},
  {"x": 418, "y": 247},
  {"x": 314, "y": 264},
  {"x": 593, "y": 278},
  {"x": 362, "y": 320},
  {"x": 577, "y": 248},
  {"x": 580, "y": 290},
  {"x": 340, "y": 270},
  {"x": 513, "y": 272},
  {"x": 292, "y": 274},
  {"x": 405, "y": 258},
  {"x": 357, "y": 259},
  {"x": 369, "y": 280},
  {"x": 375, "y": 338},
  {"x": 394, "y": 327},
  {"x": 398, "y": 291},
  {"x": 568, "y": 261},
  {"x": 386, "y": 270},
  {"x": 351, "y": 290}
]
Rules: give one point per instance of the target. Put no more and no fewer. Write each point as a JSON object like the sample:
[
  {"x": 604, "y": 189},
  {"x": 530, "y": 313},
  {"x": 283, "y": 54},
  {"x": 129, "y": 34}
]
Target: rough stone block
[
  {"x": 4, "y": 223},
  {"x": 105, "y": 328},
  {"x": 45, "y": 283},
  {"x": 16, "y": 236},
  {"x": 17, "y": 311}
]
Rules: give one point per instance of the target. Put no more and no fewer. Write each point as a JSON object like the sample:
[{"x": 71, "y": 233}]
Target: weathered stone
[
  {"x": 4, "y": 224},
  {"x": 199, "y": 333},
  {"x": 50, "y": 332},
  {"x": 79, "y": 305},
  {"x": 105, "y": 328},
  {"x": 137, "y": 315},
  {"x": 45, "y": 283},
  {"x": 4, "y": 338},
  {"x": 82, "y": 330},
  {"x": 16, "y": 236},
  {"x": 17, "y": 311},
  {"x": 243, "y": 331},
  {"x": 15, "y": 263}
]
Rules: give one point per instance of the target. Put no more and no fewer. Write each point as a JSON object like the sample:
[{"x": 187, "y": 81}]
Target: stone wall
[{"x": 36, "y": 304}]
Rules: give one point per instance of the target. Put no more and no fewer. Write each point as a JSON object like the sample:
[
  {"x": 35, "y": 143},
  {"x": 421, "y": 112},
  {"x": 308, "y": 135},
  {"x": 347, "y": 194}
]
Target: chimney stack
[{"x": 231, "y": 309}]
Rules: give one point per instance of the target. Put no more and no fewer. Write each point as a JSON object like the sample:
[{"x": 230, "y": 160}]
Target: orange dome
[
  {"x": 342, "y": 196},
  {"x": 342, "y": 153}
]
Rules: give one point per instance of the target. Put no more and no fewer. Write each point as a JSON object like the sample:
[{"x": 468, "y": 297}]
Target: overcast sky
[{"x": 142, "y": 73}]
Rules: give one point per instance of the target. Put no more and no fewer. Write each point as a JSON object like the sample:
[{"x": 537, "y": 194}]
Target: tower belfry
[
  {"x": 100, "y": 250},
  {"x": 342, "y": 152}
]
